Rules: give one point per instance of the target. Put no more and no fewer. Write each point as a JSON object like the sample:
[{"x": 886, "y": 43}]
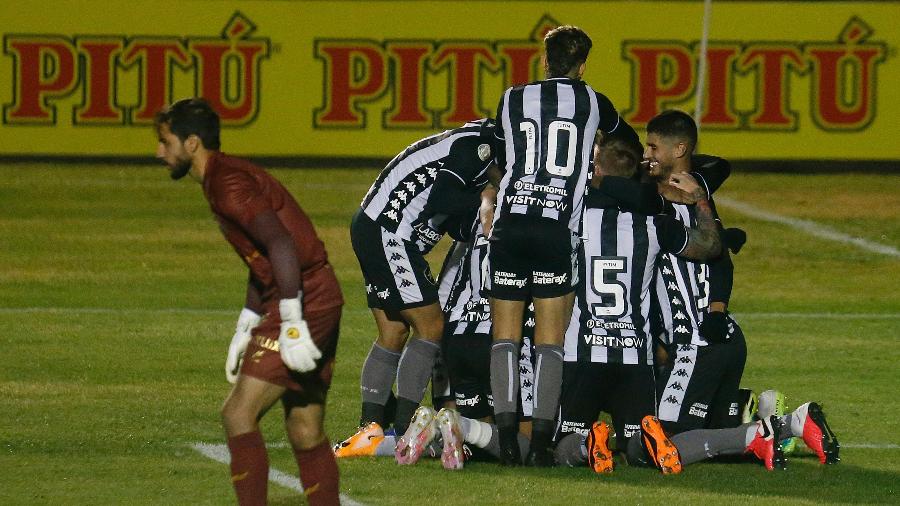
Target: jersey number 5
[
  {"x": 612, "y": 294},
  {"x": 560, "y": 134}
]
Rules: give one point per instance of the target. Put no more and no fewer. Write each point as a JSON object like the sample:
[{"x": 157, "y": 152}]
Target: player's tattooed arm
[{"x": 703, "y": 240}]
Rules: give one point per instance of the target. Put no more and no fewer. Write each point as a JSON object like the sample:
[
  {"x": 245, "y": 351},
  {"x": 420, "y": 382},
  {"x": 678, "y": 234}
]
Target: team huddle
[{"x": 589, "y": 273}]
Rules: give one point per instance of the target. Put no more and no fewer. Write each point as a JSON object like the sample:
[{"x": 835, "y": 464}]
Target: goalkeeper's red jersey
[{"x": 238, "y": 191}]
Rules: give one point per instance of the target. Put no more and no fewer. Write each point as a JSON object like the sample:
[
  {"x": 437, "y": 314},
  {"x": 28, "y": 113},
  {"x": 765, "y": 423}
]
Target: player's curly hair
[
  {"x": 566, "y": 47},
  {"x": 191, "y": 116},
  {"x": 675, "y": 124}
]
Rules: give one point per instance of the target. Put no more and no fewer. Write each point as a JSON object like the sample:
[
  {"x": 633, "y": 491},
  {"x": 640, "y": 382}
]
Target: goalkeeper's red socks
[
  {"x": 249, "y": 468},
  {"x": 319, "y": 475}
]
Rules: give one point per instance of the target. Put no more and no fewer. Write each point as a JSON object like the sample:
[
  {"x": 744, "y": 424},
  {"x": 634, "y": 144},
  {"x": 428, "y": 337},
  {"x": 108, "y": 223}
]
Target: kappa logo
[
  {"x": 405, "y": 283},
  {"x": 671, "y": 399},
  {"x": 396, "y": 256},
  {"x": 685, "y": 360},
  {"x": 392, "y": 243},
  {"x": 677, "y": 386},
  {"x": 401, "y": 270},
  {"x": 681, "y": 373}
]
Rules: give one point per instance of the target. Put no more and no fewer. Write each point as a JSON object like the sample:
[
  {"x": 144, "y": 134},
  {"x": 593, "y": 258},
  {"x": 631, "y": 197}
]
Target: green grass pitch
[{"x": 118, "y": 298}]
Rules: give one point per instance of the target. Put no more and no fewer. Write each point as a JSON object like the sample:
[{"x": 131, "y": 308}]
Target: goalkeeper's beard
[{"x": 181, "y": 168}]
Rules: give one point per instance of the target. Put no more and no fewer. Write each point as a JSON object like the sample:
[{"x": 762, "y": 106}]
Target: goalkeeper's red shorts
[{"x": 262, "y": 359}]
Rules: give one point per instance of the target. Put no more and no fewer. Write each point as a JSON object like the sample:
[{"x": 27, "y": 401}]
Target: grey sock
[
  {"x": 505, "y": 375},
  {"x": 786, "y": 430},
  {"x": 547, "y": 380},
  {"x": 696, "y": 445},
  {"x": 378, "y": 373},
  {"x": 465, "y": 425},
  {"x": 414, "y": 369},
  {"x": 570, "y": 451},
  {"x": 386, "y": 447},
  {"x": 494, "y": 446}
]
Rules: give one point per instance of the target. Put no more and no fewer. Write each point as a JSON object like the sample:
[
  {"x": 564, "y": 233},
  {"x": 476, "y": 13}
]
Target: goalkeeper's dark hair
[
  {"x": 674, "y": 124},
  {"x": 566, "y": 47},
  {"x": 620, "y": 157},
  {"x": 191, "y": 116}
]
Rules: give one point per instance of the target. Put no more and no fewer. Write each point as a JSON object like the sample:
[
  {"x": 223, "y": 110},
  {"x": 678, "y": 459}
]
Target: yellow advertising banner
[{"x": 781, "y": 80}]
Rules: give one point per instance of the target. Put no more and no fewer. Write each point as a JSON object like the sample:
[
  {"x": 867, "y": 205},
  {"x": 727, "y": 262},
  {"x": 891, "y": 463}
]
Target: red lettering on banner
[
  {"x": 100, "y": 69},
  {"x": 47, "y": 68},
  {"x": 772, "y": 64},
  {"x": 521, "y": 62},
  {"x": 409, "y": 59},
  {"x": 718, "y": 109},
  {"x": 156, "y": 58},
  {"x": 231, "y": 89},
  {"x": 662, "y": 75},
  {"x": 464, "y": 62},
  {"x": 837, "y": 106},
  {"x": 406, "y": 68},
  {"x": 357, "y": 73},
  {"x": 44, "y": 69},
  {"x": 842, "y": 79}
]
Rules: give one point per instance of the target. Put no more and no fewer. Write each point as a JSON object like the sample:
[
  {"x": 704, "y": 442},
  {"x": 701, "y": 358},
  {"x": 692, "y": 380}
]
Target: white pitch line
[
  {"x": 810, "y": 227},
  {"x": 872, "y": 316},
  {"x": 875, "y": 446},
  {"x": 219, "y": 453}
]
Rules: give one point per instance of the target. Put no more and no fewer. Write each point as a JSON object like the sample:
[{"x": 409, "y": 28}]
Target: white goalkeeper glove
[
  {"x": 298, "y": 351},
  {"x": 246, "y": 321}
]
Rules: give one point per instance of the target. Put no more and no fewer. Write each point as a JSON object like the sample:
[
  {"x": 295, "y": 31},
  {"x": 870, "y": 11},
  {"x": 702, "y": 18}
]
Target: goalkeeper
[{"x": 284, "y": 345}]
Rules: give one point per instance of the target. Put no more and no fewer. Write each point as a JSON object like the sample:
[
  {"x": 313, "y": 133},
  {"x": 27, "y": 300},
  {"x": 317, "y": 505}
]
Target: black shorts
[
  {"x": 468, "y": 361},
  {"x": 532, "y": 257},
  {"x": 699, "y": 389},
  {"x": 626, "y": 391},
  {"x": 397, "y": 275}
]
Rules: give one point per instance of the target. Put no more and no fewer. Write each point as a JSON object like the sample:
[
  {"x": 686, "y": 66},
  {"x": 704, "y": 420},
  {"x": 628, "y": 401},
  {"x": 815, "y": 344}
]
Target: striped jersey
[
  {"x": 545, "y": 132},
  {"x": 398, "y": 197},
  {"x": 682, "y": 290},
  {"x": 610, "y": 319},
  {"x": 467, "y": 309}
]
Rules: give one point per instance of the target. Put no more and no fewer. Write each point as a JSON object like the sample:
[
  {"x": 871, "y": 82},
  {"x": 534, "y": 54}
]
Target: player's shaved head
[
  {"x": 674, "y": 124},
  {"x": 566, "y": 48},
  {"x": 191, "y": 116}
]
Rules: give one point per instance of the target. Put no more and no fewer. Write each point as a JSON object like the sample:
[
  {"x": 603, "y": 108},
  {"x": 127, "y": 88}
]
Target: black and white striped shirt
[
  {"x": 545, "y": 133},
  {"x": 398, "y": 197},
  {"x": 682, "y": 290},
  {"x": 466, "y": 307},
  {"x": 610, "y": 319}
]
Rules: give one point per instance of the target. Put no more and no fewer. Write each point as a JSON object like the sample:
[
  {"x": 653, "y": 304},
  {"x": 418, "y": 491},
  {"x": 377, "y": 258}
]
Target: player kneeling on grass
[
  {"x": 286, "y": 336},
  {"x": 763, "y": 438}
]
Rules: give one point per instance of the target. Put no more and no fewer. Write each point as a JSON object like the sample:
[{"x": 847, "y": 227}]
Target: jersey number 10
[{"x": 558, "y": 132}]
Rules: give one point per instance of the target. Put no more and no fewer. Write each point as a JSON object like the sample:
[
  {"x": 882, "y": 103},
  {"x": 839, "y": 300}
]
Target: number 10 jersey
[{"x": 545, "y": 133}]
